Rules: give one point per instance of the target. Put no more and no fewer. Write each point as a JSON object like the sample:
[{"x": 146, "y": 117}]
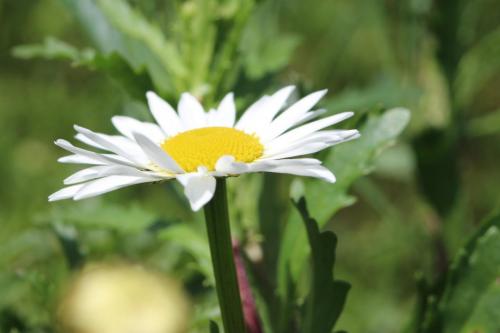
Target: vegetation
[{"x": 410, "y": 223}]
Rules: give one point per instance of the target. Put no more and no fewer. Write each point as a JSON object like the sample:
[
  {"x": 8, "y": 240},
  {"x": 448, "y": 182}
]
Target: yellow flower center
[{"x": 204, "y": 146}]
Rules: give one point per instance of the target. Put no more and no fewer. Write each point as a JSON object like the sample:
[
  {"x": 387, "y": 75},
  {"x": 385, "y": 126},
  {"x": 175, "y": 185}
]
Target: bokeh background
[{"x": 424, "y": 198}]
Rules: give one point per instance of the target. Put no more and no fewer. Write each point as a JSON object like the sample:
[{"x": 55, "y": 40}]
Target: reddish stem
[{"x": 252, "y": 321}]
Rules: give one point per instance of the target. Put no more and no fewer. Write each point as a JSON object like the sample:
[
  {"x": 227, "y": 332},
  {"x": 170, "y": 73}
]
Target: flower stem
[{"x": 226, "y": 282}]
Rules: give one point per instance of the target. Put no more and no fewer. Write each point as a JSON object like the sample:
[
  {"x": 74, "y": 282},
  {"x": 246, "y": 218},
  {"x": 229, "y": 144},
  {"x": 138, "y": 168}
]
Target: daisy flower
[{"x": 194, "y": 146}]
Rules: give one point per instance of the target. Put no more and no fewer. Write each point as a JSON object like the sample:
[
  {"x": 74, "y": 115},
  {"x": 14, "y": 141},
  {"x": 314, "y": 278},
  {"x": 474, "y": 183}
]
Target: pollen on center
[{"x": 204, "y": 147}]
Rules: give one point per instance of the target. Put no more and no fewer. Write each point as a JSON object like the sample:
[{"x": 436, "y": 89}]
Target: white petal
[
  {"x": 191, "y": 112},
  {"x": 302, "y": 150},
  {"x": 317, "y": 171},
  {"x": 267, "y": 165},
  {"x": 213, "y": 118},
  {"x": 123, "y": 142},
  {"x": 275, "y": 104},
  {"x": 261, "y": 113},
  {"x": 82, "y": 138},
  {"x": 227, "y": 165},
  {"x": 119, "y": 140},
  {"x": 199, "y": 188},
  {"x": 164, "y": 114},
  {"x": 108, "y": 184},
  {"x": 226, "y": 112},
  {"x": 120, "y": 147},
  {"x": 157, "y": 155},
  {"x": 311, "y": 115},
  {"x": 104, "y": 171},
  {"x": 251, "y": 115},
  {"x": 104, "y": 158},
  {"x": 85, "y": 175},
  {"x": 307, "y": 129},
  {"x": 292, "y": 116},
  {"x": 79, "y": 159},
  {"x": 65, "y": 193},
  {"x": 279, "y": 99},
  {"x": 310, "y": 144},
  {"x": 128, "y": 126},
  {"x": 295, "y": 162}
]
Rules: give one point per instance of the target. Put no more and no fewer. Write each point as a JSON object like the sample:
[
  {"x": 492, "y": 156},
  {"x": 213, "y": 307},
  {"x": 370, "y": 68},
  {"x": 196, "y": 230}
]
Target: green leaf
[
  {"x": 327, "y": 296},
  {"x": 473, "y": 284},
  {"x": 437, "y": 165},
  {"x": 349, "y": 161},
  {"x": 273, "y": 214},
  {"x": 468, "y": 300},
  {"x": 487, "y": 124},
  {"x": 194, "y": 242},
  {"x": 136, "y": 82},
  {"x": 264, "y": 48},
  {"x": 130, "y": 219},
  {"x": 352, "y": 160},
  {"x": 477, "y": 67},
  {"x": 485, "y": 316},
  {"x": 115, "y": 27},
  {"x": 383, "y": 93},
  {"x": 195, "y": 34},
  {"x": 227, "y": 60},
  {"x": 54, "y": 49},
  {"x": 67, "y": 236},
  {"x": 137, "y": 27},
  {"x": 213, "y": 327}
]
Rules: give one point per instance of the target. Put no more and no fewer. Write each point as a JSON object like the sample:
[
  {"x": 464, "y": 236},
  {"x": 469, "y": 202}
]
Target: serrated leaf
[
  {"x": 349, "y": 161},
  {"x": 327, "y": 296},
  {"x": 54, "y": 49},
  {"x": 136, "y": 82}
]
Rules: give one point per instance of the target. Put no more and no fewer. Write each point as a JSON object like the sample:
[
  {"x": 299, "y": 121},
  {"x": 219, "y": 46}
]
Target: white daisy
[{"x": 194, "y": 146}]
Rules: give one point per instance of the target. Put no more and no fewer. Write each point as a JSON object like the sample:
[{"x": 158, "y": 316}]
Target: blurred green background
[{"x": 426, "y": 195}]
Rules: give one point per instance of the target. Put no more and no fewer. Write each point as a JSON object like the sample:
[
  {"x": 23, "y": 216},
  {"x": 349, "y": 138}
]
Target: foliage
[
  {"x": 349, "y": 162},
  {"x": 466, "y": 302},
  {"x": 408, "y": 194},
  {"x": 112, "y": 64},
  {"x": 326, "y": 298}
]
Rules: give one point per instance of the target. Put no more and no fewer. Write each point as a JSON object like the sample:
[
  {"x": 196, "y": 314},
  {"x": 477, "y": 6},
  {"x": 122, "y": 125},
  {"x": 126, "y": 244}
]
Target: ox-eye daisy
[{"x": 194, "y": 146}]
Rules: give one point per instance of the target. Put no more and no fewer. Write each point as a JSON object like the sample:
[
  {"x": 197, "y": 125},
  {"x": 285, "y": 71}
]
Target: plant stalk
[{"x": 226, "y": 282}]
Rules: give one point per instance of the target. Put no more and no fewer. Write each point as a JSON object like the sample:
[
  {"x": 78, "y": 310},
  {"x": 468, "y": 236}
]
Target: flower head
[{"x": 194, "y": 146}]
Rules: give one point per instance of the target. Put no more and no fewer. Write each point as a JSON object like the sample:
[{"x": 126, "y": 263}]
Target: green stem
[{"x": 226, "y": 282}]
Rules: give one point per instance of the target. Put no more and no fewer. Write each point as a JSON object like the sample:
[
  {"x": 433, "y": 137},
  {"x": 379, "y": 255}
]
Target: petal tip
[
  {"x": 331, "y": 180},
  {"x": 61, "y": 142},
  {"x": 54, "y": 197},
  {"x": 196, "y": 206}
]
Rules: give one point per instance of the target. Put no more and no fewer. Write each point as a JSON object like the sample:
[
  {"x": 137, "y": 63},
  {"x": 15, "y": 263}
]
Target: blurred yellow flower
[{"x": 121, "y": 298}]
